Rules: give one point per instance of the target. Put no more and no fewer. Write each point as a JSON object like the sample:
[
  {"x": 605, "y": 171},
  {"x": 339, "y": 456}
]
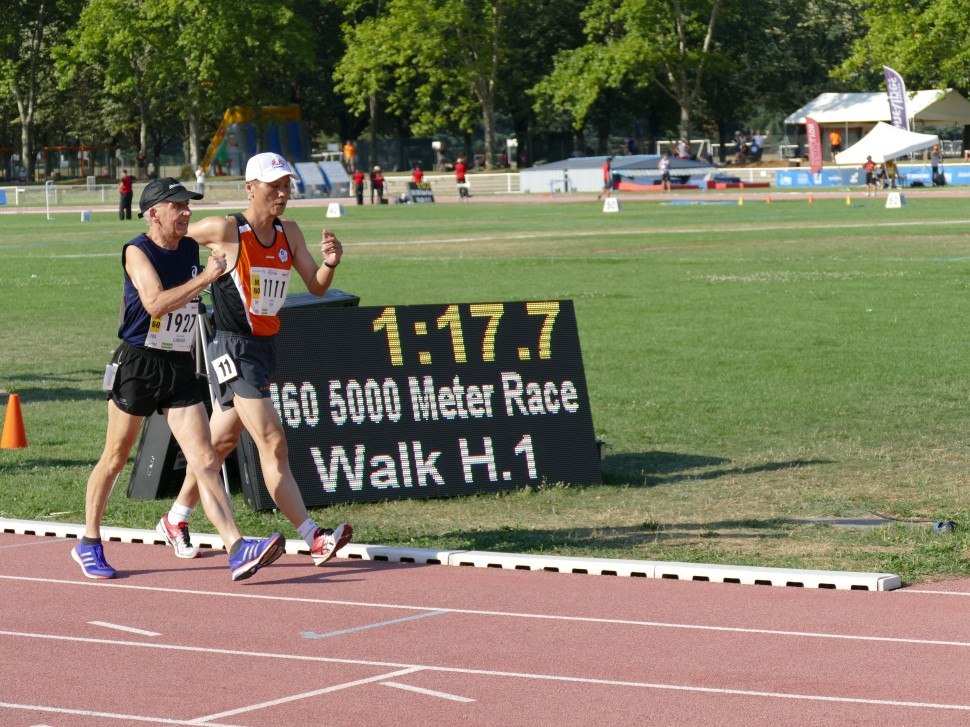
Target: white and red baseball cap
[{"x": 268, "y": 167}]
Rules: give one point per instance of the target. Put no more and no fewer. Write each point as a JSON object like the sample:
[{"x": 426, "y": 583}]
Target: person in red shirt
[
  {"x": 607, "y": 178},
  {"x": 417, "y": 175},
  {"x": 125, "y": 191},
  {"x": 359, "y": 185},
  {"x": 460, "y": 169},
  {"x": 377, "y": 185}
]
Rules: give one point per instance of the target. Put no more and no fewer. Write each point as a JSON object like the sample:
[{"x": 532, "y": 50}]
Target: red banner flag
[{"x": 814, "y": 136}]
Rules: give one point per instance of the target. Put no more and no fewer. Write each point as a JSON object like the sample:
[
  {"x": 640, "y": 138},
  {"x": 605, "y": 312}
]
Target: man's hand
[
  {"x": 331, "y": 248},
  {"x": 216, "y": 266}
]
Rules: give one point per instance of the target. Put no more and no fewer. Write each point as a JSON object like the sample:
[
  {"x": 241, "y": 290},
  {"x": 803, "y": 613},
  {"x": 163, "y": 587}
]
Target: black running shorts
[
  {"x": 252, "y": 357},
  {"x": 149, "y": 380}
]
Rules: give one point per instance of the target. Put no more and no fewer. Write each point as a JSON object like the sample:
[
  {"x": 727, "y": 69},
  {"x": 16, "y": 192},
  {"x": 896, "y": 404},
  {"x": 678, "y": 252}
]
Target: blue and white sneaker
[
  {"x": 254, "y": 554},
  {"x": 92, "y": 562}
]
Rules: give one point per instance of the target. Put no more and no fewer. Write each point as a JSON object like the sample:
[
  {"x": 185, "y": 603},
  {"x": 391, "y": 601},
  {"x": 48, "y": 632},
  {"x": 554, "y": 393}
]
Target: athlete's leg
[
  {"x": 263, "y": 424},
  {"x": 191, "y": 430},
  {"x": 225, "y": 427},
  {"x": 122, "y": 432}
]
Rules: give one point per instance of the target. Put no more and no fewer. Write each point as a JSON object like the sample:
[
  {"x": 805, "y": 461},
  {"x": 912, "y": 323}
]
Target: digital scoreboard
[{"x": 422, "y": 401}]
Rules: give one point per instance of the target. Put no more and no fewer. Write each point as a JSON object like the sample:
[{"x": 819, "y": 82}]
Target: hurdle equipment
[{"x": 14, "y": 434}]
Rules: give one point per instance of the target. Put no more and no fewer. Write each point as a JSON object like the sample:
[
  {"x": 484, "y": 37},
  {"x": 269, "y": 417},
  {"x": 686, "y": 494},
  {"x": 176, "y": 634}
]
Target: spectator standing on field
[
  {"x": 460, "y": 171},
  {"x": 359, "y": 185},
  {"x": 125, "y": 193},
  {"x": 153, "y": 371},
  {"x": 377, "y": 185},
  {"x": 835, "y": 141},
  {"x": 870, "y": 169},
  {"x": 350, "y": 155},
  {"x": 607, "y": 179},
  {"x": 242, "y": 354},
  {"x": 664, "y": 166},
  {"x": 936, "y": 166}
]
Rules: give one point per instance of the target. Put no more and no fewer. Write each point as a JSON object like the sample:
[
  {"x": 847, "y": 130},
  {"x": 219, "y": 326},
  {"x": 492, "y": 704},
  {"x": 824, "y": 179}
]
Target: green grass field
[{"x": 749, "y": 367}]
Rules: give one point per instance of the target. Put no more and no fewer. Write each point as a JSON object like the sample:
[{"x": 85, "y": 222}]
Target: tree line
[{"x": 142, "y": 74}]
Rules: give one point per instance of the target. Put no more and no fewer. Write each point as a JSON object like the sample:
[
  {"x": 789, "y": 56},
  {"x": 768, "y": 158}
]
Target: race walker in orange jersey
[{"x": 261, "y": 249}]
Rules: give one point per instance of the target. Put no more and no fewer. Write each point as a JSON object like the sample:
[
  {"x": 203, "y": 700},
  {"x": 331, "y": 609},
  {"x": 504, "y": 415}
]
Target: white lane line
[
  {"x": 406, "y": 668},
  {"x": 312, "y": 635},
  {"x": 579, "y": 234},
  {"x": 429, "y": 692},
  {"x": 27, "y": 545},
  {"x": 306, "y": 695},
  {"x": 106, "y": 715},
  {"x": 118, "y": 627},
  {"x": 506, "y": 614},
  {"x": 934, "y": 593}
]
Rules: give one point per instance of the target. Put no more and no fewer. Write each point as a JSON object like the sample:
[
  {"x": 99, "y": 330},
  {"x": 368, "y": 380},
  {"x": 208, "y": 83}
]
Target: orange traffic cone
[
  {"x": 14, "y": 434},
  {"x": 741, "y": 200},
  {"x": 848, "y": 200},
  {"x": 811, "y": 199},
  {"x": 768, "y": 199}
]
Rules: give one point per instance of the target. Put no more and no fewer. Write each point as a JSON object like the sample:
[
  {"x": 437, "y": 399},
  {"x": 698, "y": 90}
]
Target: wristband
[{"x": 329, "y": 265}]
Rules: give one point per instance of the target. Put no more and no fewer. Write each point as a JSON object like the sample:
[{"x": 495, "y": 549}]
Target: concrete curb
[{"x": 750, "y": 575}]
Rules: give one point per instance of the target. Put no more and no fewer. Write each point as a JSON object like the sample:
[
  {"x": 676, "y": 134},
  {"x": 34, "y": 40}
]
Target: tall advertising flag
[
  {"x": 814, "y": 135},
  {"x": 896, "y": 90}
]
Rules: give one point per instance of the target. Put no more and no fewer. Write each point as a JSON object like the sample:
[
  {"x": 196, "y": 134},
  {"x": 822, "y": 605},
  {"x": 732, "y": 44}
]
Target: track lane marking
[
  {"x": 429, "y": 692},
  {"x": 306, "y": 695},
  {"x": 27, "y": 545},
  {"x": 106, "y": 715},
  {"x": 575, "y": 234},
  {"x": 380, "y": 624},
  {"x": 119, "y": 627},
  {"x": 404, "y": 667},
  {"x": 506, "y": 614}
]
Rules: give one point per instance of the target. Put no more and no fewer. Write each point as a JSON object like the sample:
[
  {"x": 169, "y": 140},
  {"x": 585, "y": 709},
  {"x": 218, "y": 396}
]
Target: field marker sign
[{"x": 895, "y": 200}]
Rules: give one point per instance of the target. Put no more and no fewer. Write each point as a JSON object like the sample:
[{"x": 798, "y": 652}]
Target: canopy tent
[
  {"x": 885, "y": 142},
  {"x": 943, "y": 107}
]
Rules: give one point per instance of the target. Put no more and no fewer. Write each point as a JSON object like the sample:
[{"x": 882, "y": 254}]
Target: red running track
[{"x": 370, "y": 643}]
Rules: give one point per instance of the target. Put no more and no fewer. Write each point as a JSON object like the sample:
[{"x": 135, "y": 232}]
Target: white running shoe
[
  {"x": 178, "y": 537},
  {"x": 326, "y": 543}
]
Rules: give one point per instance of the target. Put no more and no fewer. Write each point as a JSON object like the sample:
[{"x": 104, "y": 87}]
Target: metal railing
[{"x": 79, "y": 195}]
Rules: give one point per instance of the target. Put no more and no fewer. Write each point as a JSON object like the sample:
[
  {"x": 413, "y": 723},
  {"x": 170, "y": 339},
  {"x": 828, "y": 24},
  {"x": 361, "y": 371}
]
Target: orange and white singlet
[{"x": 247, "y": 299}]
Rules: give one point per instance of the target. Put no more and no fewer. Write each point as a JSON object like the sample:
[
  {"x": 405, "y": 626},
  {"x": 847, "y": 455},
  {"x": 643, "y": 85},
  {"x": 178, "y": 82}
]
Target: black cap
[{"x": 159, "y": 190}]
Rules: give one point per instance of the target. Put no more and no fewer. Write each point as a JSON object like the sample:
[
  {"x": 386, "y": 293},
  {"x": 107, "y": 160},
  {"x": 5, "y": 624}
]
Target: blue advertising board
[{"x": 855, "y": 177}]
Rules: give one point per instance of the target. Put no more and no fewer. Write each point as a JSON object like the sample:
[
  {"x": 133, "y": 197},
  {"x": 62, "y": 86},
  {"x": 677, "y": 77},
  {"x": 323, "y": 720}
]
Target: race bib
[
  {"x": 224, "y": 368},
  {"x": 269, "y": 287},
  {"x": 174, "y": 331}
]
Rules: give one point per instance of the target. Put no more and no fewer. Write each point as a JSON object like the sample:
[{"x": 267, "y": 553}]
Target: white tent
[
  {"x": 937, "y": 107},
  {"x": 885, "y": 142}
]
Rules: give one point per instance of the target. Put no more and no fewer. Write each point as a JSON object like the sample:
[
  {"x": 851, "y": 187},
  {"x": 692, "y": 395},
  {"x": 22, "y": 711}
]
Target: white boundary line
[
  {"x": 305, "y": 695},
  {"x": 432, "y": 610},
  {"x": 105, "y": 715},
  {"x": 481, "y": 672}
]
